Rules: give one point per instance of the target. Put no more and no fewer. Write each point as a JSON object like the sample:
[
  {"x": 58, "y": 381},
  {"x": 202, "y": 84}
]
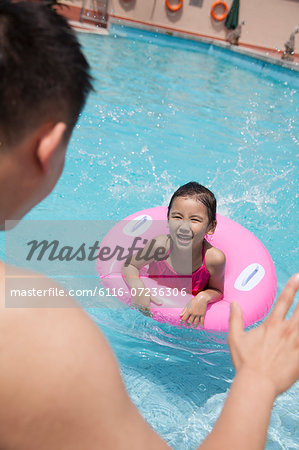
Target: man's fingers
[
  {"x": 285, "y": 299},
  {"x": 236, "y": 325},
  {"x": 294, "y": 319}
]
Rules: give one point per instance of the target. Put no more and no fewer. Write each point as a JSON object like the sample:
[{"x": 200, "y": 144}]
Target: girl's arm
[
  {"x": 215, "y": 263},
  {"x": 195, "y": 310},
  {"x": 151, "y": 251}
]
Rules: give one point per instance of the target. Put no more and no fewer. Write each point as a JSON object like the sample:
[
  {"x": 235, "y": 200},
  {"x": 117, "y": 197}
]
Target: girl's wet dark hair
[
  {"x": 201, "y": 193},
  {"x": 43, "y": 72}
]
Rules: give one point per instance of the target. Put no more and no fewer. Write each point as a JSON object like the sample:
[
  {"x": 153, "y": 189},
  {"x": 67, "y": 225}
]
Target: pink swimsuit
[{"x": 161, "y": 270}]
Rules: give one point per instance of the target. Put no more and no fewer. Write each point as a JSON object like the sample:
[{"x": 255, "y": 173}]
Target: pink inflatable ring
[{"x": 250, "y": 277}]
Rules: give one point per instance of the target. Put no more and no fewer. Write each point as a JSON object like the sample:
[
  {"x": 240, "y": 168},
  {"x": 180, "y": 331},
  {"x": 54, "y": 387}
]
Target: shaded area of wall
[{"x": 268, "y": 23}]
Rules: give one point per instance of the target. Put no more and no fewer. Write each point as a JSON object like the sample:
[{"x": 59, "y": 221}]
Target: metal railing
[{"x": 95, "y": 11}]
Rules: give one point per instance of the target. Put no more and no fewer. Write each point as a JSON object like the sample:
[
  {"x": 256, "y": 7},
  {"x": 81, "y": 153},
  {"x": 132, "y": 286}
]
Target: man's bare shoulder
[
  {"x": 62, "y": 356},
  {"x": 21, "y": 288},
  {"x": 56, "y": 365},
  {"x": 41, "y": 314}
]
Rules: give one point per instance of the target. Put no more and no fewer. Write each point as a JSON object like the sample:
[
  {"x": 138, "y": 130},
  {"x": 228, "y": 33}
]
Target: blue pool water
[{"x": 165, "y": 112}]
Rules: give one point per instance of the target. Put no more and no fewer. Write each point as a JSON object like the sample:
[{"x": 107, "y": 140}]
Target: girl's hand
[
  {"x": 142, "y": 302},
  {"x": 195, "y": 310}
]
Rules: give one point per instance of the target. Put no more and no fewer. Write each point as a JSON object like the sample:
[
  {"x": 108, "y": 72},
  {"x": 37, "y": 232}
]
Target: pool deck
[{"x": 71, "y": 10}]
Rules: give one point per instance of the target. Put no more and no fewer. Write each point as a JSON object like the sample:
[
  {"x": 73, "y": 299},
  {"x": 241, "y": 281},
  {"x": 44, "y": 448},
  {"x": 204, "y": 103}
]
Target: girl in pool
[{"x": 188, "y": 261}]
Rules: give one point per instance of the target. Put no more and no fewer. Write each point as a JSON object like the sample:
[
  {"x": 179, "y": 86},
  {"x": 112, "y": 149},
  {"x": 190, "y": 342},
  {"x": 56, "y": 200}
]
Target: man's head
[
  {"x": 44, "y": 74},
  {"x": 44, "y": 82}
]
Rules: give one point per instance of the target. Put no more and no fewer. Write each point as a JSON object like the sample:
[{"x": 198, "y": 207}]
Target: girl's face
[{"x": 188, "y": 222}]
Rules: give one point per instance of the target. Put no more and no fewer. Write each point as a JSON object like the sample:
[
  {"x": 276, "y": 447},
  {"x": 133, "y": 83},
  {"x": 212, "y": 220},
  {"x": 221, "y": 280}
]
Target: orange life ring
[
  {"x": 222, "y": 16},
  {"x": 174, "y": 7}
]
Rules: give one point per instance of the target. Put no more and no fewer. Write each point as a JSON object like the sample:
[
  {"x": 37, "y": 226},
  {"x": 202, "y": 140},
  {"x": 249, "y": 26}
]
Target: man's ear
[
  {"x": 48, "y": 143},
  {"x": 212, "y": 227}
]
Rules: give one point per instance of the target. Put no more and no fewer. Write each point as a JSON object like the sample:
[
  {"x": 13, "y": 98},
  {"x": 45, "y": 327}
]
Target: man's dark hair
[
  {"x": 43, "y": 73},
  {"x": 201, "y": 193}
]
